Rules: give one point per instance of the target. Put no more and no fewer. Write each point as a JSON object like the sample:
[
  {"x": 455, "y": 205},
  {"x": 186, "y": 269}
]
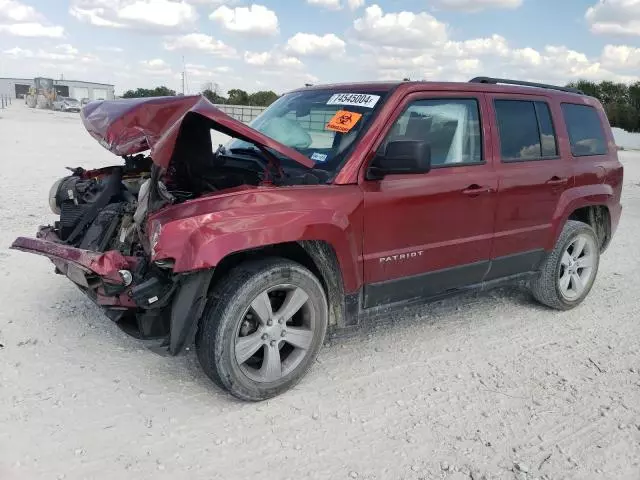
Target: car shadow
[{"x": 472, "y": 310}]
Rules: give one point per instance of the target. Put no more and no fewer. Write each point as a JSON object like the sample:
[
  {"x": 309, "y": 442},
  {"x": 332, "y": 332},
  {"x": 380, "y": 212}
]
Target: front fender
[
  {"x": 579, "y": 197},
  {"x": 202, "y": 242}
]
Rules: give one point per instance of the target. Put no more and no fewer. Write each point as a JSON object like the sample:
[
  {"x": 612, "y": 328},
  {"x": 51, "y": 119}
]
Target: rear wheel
[
  {"x": 569, "y": 271},
  {"x": 263, "y": 328}
]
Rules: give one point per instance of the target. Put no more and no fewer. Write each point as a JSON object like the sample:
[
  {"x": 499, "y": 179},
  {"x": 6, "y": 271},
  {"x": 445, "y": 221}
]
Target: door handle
[
  {"x": 555, "y": 180},
  {"x": 475, "y": 189}
]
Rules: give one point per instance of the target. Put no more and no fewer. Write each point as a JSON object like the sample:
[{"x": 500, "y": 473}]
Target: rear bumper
[{"x": 92, "y": 271}]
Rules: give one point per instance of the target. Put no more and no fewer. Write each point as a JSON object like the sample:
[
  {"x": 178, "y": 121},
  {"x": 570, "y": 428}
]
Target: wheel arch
[
  {"x": 319, "y": 256},
  {"x": 599, "y": 218},
  {"x": 588, "y": 204},
  {"x": 316, "y": 255}
]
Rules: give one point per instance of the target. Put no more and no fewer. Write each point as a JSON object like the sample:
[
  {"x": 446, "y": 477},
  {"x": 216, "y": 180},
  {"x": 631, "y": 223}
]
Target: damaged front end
[{"x": 102, "y": 241}]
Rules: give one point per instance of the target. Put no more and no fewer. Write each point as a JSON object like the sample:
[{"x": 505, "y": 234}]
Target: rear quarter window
[{"x": 586, "y": 134}]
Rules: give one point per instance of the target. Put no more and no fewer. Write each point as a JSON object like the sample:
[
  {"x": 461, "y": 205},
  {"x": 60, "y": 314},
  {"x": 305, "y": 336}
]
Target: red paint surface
[
  {"x": 429, "y": 213},
  {"x": 200, "y": 233}
]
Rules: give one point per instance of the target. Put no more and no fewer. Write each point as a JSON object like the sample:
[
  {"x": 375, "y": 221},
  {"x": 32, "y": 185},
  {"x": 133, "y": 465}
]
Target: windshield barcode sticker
[{"x": 354, "y": 99}]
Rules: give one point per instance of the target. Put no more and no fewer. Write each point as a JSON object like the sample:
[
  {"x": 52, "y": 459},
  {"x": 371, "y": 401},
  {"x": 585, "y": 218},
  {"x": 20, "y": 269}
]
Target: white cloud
[
  {"x": 134, "y": 14},
  {"x": 255, "y": 19},
  {"x": 17, "y": 52},
  {"x": 213, "y": 3},
  {"x": 281, "y": 84},
  {"x": 110, "y": 49},
  {"x": 22, "y": 20},
  {"x": 67, "y": 50},
  {"x": 16, "y": 12},
  {"x": 201, "y": 42},
  {"x": 477, "y": 5},
  {"x": 32, "y": 30},
  {"x": 621, "y": 57},
  {"x": 213, "y": 77},
  {"x": 156, "y": 67},
  {"x": 468, "y": 65},
  {"x": 336, "y": 4},
  {"x": 314, "y": 45},
  {"x": 399, "y": 29},
  {"x": 272, "y": 60},
  {"x": 155, "y": 63},
  {"x": 329, "y": 4},
  {"x": 616, "y": 17},
  {"x": 198, "y": 70},
  {"x": 418, "y": 45},
  {"x": 459, "y": 60},
  {"x": 493, "y": 45},
  {"x": 58, "y": 53}
]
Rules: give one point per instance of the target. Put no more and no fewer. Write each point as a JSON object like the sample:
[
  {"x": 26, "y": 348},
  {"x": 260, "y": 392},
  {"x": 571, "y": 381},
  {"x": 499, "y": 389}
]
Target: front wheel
[
  {"x": 263, "y": 328},
  {"x": 569, "y": 271}
]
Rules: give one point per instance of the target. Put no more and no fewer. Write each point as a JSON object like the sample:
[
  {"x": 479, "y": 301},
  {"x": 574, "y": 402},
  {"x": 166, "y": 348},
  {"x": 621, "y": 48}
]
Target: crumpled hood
[{"x": 129, "y": 126}]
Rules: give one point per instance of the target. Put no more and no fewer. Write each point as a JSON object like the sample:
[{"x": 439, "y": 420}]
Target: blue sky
[{"x": 277, "y": 44}]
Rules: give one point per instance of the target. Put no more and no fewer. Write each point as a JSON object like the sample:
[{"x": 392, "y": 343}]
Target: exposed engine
[
  {"x": 97, "y": 207},
  {"x": 106, "y": 209}
]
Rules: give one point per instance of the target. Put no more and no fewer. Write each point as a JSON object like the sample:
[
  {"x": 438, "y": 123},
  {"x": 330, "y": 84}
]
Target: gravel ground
[{"x": 480, "y": 386}]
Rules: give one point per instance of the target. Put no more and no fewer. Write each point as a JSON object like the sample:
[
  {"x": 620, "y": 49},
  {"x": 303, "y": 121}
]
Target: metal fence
[
  {"x": 243, "y": 113},
  {"x": 316, "y": 120}
]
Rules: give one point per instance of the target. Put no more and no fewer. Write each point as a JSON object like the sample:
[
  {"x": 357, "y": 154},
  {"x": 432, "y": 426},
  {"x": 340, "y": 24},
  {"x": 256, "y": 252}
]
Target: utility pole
[{"x": 183, "y": 76}]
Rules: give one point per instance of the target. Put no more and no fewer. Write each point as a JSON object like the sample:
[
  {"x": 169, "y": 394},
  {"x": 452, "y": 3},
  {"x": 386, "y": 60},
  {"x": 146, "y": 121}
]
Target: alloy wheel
[
  {"x": 275, "y": 333},
  {"x": 577, "y": 266}
]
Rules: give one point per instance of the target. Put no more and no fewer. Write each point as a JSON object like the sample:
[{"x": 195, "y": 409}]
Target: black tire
[
  {"x": 546, "y": 286},
  {"x": 226, "y": 312}
]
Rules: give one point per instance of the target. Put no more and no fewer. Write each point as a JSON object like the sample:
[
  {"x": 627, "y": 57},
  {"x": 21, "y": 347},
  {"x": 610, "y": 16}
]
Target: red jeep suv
[{"x": 335, "y": 205}]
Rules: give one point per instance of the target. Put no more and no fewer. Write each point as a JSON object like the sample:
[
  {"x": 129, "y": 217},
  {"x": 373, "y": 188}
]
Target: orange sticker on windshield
[{"x": 343, "y": 121}]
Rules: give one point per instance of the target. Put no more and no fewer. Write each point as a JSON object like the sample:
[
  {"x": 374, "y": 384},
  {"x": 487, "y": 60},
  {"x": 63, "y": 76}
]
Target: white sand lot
[{"x": 486, "y": 384}]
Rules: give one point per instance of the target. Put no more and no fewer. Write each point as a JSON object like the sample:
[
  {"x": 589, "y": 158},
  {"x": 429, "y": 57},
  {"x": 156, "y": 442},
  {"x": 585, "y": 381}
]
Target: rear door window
[
  {"x": 526, "y": 130},
  {"x": 585, "y": 130}
]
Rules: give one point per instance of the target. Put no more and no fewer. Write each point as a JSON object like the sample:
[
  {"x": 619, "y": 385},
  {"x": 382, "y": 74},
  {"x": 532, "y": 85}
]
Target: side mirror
[{"x": 401, "y": 157}]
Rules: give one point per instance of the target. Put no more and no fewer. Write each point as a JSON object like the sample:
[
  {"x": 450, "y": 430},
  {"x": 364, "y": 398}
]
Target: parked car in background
[
  {"x": 66, "y": 104},
  {"x": 84, "y": 101},
  {"x": 336, "y": 205}
]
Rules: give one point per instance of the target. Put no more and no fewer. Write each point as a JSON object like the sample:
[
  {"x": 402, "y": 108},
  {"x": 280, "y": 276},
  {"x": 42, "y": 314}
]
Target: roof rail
[{"x": 506, "y": 81}]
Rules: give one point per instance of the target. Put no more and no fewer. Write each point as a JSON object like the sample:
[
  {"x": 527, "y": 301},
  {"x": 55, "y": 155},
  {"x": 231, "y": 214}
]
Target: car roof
[{"x": 417, "y": 86}]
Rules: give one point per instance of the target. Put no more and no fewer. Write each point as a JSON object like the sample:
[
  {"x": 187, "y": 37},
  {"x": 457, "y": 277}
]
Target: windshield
[{"x": 323, "y": 125}]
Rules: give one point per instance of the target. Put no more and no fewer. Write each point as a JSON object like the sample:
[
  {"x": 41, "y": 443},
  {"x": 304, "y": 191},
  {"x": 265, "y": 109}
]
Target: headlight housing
[{"x": 53, "y": 194}]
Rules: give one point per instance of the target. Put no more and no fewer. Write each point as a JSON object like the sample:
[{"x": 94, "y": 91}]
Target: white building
[{"x": 18, "y": 87}]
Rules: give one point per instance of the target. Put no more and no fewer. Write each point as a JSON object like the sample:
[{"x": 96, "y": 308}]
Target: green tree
[
  {"x": 214, "y": 97},
  {"x": 146, "y": 92},
  {"x": 621, "y": 102},
  {"x": 590, "y": 88},
  {"x": 262, "y": 98},
  {"x": 238, "y": 97}
]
